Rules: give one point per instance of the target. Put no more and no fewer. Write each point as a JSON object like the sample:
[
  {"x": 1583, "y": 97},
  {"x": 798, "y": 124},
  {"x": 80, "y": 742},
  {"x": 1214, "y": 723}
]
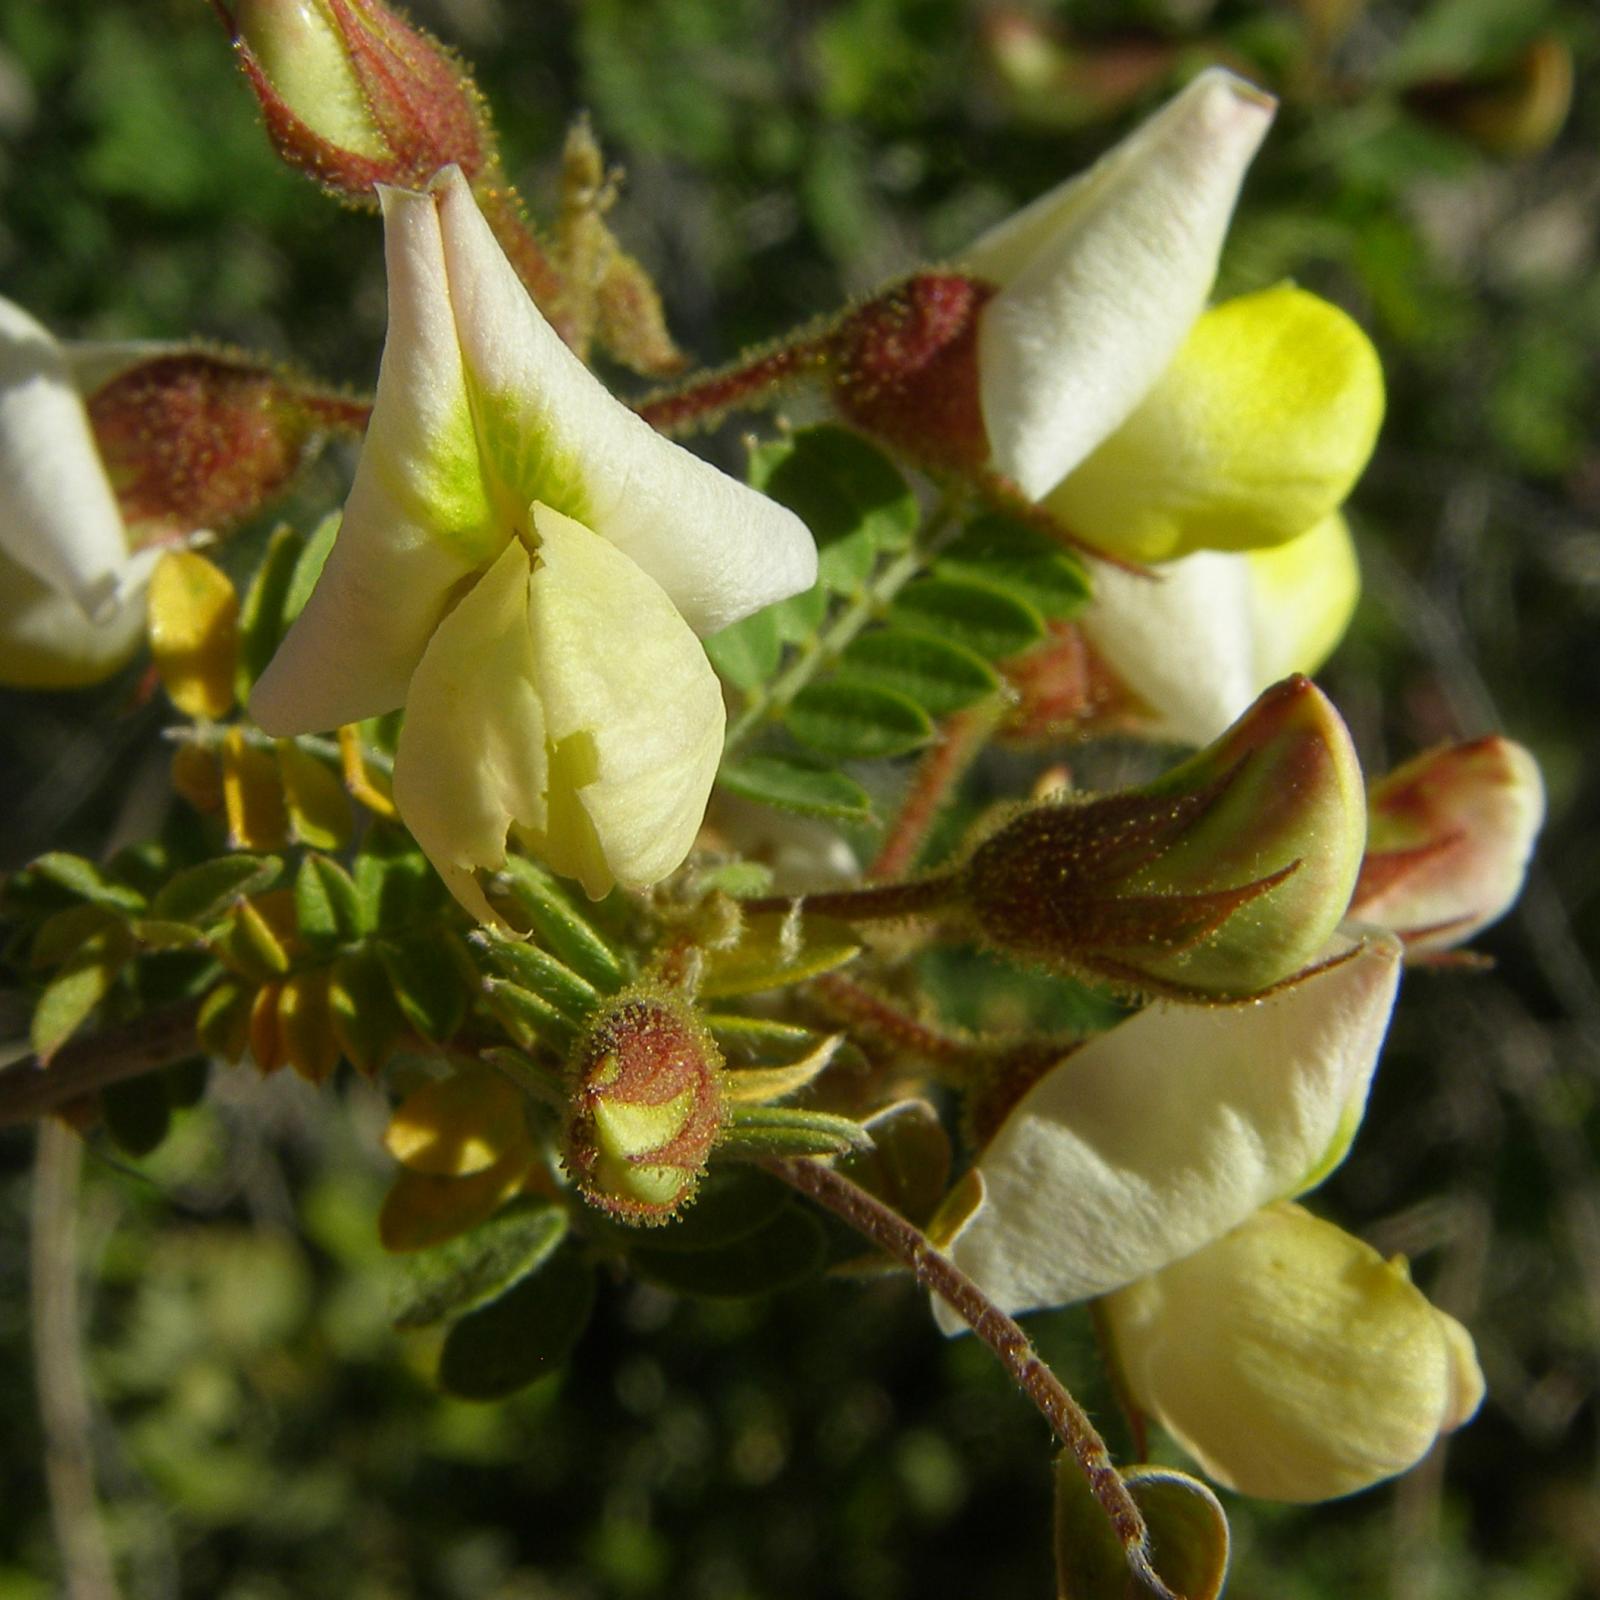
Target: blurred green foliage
[{"x": 259, "y": 1430}]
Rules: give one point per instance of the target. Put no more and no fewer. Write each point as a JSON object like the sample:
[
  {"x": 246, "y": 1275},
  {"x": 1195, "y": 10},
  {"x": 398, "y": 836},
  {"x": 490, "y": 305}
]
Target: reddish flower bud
[
  {"x": 646, "y": 1106},
  {"x": 904, "y": 368},
  {"x": 1449, "y": 835},
  {"x": 192, "y": 439},
  {"x": 1222, "y": 878},
  {"x": 354, "y": 96}
]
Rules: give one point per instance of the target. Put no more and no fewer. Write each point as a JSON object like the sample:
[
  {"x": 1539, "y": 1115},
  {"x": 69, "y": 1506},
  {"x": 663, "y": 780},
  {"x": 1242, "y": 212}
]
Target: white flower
[
  {"x": 524, "y": 564},
  {"x": 1101, "y": 279},
  {"x": 71, "y": 594},
  {"x": 1158, "y": 1136}
]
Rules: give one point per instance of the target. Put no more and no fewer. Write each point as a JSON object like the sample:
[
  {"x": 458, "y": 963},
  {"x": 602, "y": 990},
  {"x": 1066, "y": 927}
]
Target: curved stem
[
  {"x": 907, "y": 1244},
  {"x": 32, "y": 1087}
]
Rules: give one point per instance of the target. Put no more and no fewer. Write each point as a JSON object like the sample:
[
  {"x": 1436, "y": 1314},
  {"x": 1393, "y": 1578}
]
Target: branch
[
  {"x": 907, "y": 1244},
  {"x": 33, "y": 1087}
]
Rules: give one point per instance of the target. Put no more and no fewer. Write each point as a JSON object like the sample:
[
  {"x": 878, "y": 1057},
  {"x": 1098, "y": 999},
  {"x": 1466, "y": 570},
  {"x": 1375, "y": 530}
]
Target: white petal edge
[
  {"x": 58, "y": 516},
  {"x": 419, "y": 520},
  {"x": 46, "y": 642},
  {"x": 1162, "y": 1134},
  {"x": 1101, "y": 279},
  {"x": 719, "y": 549}
]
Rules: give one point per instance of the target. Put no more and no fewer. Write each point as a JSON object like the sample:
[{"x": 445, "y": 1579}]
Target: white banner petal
[
  {"x": 1101, "y": 279},
  {"x": 1157, "y": 1137},
  {"x": 58, "y": 516},
  {"x": 554, "y": 434}
]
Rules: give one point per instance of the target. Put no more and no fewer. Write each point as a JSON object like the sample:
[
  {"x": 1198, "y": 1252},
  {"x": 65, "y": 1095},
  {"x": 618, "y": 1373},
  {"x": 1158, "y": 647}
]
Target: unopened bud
[
  {"x": 1222, "y": 878},
  {"x": 904, "y": 368},
  {"x": 1448, "y": 839},
  {"x": 646, "y": 1106},
  {"x": 195, "y": 439},
  {"x": 354, "y": 96}
]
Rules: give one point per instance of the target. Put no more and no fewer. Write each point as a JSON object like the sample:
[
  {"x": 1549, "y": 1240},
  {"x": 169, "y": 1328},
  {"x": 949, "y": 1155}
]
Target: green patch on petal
[
  {"x": 525, "y": 461},
  {"x": 1255, "y": 433},
  {"x": 445, "y": 490}
]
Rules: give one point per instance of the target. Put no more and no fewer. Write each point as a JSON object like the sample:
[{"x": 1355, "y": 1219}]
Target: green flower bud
[
  {"x": 646, "y": 1106},
  {"x": 1222, "y": 878}
]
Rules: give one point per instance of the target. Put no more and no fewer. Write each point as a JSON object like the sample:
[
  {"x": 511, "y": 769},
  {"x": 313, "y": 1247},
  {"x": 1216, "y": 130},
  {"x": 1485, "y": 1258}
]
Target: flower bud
[
  {"x": 1448, "y": 839},
  {"x": 1292, "y": 1361},
  {"x": 1222, "y": 878},
  {"x": 646, "y": 1106},
  {"x": 354, "y": 96},
  {"x": 196, "y": 439}
]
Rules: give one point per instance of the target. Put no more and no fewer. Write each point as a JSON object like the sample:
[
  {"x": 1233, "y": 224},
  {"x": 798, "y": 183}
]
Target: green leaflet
[{"x": 794, "y": 784}]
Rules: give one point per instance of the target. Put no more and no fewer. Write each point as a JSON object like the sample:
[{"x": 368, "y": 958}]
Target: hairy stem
[
  {"x": 33, "y": 1087},
  {"x": 907, "y": 1244},
  {"x": 873, "y": 903}
]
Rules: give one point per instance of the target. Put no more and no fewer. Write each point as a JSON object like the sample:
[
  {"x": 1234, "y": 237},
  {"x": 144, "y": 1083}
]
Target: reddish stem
[
  {"x": 908, "y": 1245},
  {"x": 873, "y": 903},
  {"x": 750, "y": 381}
]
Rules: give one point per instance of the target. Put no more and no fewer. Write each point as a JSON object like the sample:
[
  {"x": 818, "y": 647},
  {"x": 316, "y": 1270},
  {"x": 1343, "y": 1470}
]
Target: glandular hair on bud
[{"x": 645, "y": 1106}]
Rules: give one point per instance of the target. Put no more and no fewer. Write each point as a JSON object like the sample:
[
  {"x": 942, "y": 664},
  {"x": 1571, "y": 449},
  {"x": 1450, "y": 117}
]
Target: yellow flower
[{"x": 1292, "y": 1361}]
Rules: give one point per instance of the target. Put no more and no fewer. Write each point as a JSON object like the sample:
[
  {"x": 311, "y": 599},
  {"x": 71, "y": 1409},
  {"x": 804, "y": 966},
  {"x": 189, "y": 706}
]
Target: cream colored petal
[
  {"x": 420, "y": 517},
  {"x": 1254, "y": 434},
  {"x": 553, "y": 434},
  {"x": 58, "y": 517},
  {"x": 472, "y": 759},
  {"x": 1157, "y": 1137},
  {"x": 633, "y": 713},
  {"x": 1102, "y": 279},
  {"x": 1180, "y": 640},
  {"x": 1202, "y": 637},
  {"x": 1292, "y": 1361},
  {"x": 46, "y": 642}
]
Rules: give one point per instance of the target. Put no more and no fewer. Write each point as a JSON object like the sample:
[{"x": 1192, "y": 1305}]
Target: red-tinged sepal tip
[
  {"x": 646, "y": 1106},
  {"x": 1448, "y": 840},
  {"x": 353, "y": 95},
  {"x": 1222, "y": 878},
  {"x": 904, "y": 368},
  {"x": 196, "y": 439}
]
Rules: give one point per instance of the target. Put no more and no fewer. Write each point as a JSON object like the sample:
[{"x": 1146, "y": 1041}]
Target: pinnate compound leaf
[
  {"x": 840, "y": 485},
  {"x": 541, "y": 974},
  {"x": 1004, "y": 554},
  {"x": 457, "y": 1277},
  {"x": 988, "y": 621},
  {"x": 326, "y": 903},
  {"x": 524, "y": 1334},
  {"x": 1188, "y": 1537},
  {"x": 851, "y": 720},
  {"x": 207, "y": 892},
  {"x": 790, "y": 784},
  {"x": 427, "y": 981},
  {"x": 85, "y": 880},
  {"x": 938, "y": 676},
  {"x": 747, "y": 653},
  {"x": 562, "y": 927},
  {"x": 262, "y": 623}
]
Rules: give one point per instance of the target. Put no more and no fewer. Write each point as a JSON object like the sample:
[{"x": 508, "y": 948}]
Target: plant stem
[
  {"x": 962, "y": 737},
  {"x": 907, "y": 1244},
  {"x": 873, "y": 903},
  {"x": 33, "y": 1087}
]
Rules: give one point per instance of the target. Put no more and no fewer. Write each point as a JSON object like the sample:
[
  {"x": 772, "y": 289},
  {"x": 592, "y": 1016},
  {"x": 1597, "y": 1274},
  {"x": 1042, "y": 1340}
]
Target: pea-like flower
[
  {"x": 1152, "y": 1169},
  {"x": 524, "y": 565},
  {"x": 71, "y": 592}
]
